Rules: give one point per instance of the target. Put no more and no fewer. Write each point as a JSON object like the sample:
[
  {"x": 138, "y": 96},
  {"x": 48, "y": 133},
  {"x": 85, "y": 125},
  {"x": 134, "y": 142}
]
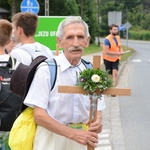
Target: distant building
[{"x": 3, "y": 13}]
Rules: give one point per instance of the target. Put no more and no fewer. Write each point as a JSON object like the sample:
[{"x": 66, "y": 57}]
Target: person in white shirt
[
  {"x": 24, "y": 28},
  {"x": 57, "y": 114}
]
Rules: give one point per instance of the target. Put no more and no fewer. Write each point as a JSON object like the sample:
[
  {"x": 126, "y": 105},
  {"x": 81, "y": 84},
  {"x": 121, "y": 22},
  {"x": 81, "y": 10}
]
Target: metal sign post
[
  {"x": 46, "y": 7},
  {"x": 127, "y": 25}
]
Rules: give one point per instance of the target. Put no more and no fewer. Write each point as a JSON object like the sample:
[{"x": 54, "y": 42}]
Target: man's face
[
  {"x": 16, "y": 32},
  {"x": 114, "y": 31},
  {"x": 10, "y": 45},
  {"x": 74, "y": 41}
]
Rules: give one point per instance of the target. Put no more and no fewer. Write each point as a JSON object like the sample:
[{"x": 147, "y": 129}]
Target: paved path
[{"x": 111, "y": 137}]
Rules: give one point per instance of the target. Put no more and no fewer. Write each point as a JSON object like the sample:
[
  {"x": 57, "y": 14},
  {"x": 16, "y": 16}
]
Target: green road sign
[{"x": 46, "y": 31}]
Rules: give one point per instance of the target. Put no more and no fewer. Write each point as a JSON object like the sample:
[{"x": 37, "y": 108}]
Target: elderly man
[{"x": 59, "y": 115}]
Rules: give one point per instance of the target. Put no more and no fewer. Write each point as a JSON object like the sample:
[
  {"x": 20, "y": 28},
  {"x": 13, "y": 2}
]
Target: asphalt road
[{"x": 134, "y": 110}]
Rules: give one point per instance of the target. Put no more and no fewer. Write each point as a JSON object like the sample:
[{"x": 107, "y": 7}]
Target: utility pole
[
  {"x": 46, "y": 7},
  {"x": 98, "y": 1},
  {"x": 81, "y": 8},
  {"x": 13, "y": 7}
]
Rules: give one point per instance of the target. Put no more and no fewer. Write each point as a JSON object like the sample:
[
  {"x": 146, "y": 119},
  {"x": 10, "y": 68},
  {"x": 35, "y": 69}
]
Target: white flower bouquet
[{"x": 92, "y": 79}]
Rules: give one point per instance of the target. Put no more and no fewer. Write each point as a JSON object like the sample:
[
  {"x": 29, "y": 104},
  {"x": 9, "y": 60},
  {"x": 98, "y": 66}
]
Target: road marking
[
  {"x": 139, "y": 60},
  {"x": 104, "y": 135},
  {"x": 104, "y": 142},
  {"x": 136, "y": 60},
  {"x": 104, "y": 148}
]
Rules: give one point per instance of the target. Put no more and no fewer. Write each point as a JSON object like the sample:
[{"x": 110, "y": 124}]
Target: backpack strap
[
  {"x": 23, "y": 76},
  {"x": 53, "y": 71},
  {"x": 37, "y": 52},
  {"x": 11, "y": 62},
  {"x": 87, "y": 64}
]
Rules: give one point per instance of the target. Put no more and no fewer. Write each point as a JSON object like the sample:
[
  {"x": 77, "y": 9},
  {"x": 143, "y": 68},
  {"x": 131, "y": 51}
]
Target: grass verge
[{"x": 93, "y": 48}]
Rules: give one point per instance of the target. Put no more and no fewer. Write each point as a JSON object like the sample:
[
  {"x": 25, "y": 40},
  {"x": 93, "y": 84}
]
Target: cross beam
[{"x": 79, "y": 90}]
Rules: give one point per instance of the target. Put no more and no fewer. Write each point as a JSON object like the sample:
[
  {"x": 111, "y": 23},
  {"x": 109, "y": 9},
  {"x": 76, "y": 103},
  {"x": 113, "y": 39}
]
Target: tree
[
  {"x": 145, "y": 22},
  {"x": 88, "y": 12},
  {"x": 136, "y": 15}
]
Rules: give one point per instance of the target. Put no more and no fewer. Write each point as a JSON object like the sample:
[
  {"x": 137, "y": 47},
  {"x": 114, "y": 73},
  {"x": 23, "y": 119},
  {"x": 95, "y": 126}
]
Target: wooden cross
[{"x": 79, "y": 90}]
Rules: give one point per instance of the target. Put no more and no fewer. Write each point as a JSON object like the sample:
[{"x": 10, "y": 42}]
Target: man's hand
[
  {"x": 85, "y": 137},
  {"x": 97, "y": 125},
  {"x": 91, "y": 136}
]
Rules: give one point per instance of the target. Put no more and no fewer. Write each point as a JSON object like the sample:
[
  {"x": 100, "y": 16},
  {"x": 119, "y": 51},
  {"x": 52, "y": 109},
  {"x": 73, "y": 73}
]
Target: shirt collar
[{"x": 64, "y": 63}]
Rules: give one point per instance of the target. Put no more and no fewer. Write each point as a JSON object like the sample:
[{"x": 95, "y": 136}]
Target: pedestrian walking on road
[{"x": 112, "y": 51}]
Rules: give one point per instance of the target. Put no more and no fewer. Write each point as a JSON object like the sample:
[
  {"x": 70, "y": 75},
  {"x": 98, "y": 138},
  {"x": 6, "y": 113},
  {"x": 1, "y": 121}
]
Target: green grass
[
  {"x": 127, "y": 55},
  {"x": 93, "y": 48}
]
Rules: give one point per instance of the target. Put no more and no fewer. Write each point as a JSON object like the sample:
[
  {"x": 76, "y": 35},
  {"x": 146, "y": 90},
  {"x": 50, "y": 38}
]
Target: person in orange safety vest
[{"x": 112, "y": 52}]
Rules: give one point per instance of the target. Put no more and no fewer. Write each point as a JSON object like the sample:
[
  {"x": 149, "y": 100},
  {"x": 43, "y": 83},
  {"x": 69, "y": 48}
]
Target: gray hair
[{"x": 70, "y": 20}]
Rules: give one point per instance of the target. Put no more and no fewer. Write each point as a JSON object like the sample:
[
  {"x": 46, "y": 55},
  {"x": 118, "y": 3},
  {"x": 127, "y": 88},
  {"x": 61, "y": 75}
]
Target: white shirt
[
  {"x": 65, "y": 108},
  {"x": 21, "y": 55}
]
